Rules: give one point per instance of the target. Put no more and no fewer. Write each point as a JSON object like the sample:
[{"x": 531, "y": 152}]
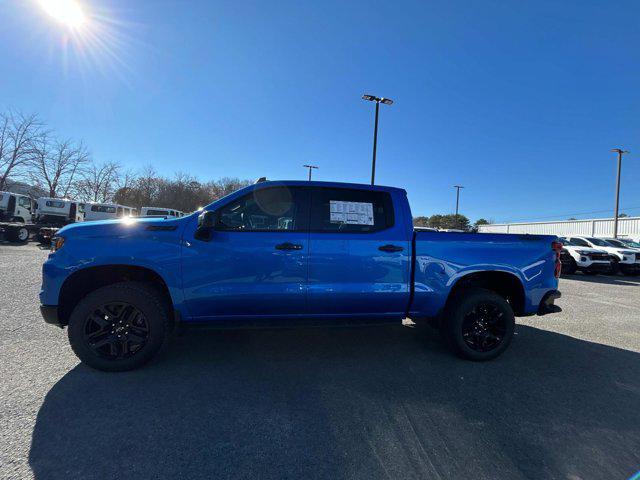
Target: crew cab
[
  {"x": 623, "y": 258},
  {"x": 576, "y": 257},
  {"x": 301, "y": 252}
]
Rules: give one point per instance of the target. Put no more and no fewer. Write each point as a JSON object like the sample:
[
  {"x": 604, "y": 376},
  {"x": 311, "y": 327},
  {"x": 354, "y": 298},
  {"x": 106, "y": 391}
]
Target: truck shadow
[
  {"x": 605, "y": 279},
  {"x": 386, "y": 402}
]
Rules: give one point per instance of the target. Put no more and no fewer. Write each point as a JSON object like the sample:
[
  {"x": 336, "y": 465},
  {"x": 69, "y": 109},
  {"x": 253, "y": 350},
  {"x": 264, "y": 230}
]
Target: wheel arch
[
  {"x": 84, "y": 281},
  {"x": 505, "y": 284}
]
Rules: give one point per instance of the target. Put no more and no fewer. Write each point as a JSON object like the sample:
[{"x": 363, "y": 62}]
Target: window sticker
[{"x": 351, "y": 213}]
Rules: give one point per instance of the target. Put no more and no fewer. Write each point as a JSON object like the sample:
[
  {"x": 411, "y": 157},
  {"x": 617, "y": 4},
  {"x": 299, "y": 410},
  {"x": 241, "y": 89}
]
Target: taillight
[{"x": 557, "y": 247}]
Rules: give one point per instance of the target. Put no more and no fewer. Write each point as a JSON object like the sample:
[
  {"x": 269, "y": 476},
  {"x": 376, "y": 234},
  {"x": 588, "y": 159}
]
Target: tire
[
  {"x": 106, "y": 327},
  {"x": 615, "y": 266},
  {"x": 18, "y": 235},
  {"x": 459, "y": 320},
  {"x": 570, "y": 268}
]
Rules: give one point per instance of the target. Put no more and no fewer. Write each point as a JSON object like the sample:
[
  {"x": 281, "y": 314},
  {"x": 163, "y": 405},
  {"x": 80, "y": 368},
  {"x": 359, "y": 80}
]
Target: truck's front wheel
[
  {"x": 119, "y": 327},
  {"x": 478, "y": 324}
]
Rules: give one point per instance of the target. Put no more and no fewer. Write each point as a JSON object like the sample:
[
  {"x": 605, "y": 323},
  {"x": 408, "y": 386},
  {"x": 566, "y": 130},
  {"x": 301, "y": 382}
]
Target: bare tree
[
  {"x": 99, "y": 183},
  {"x": 56, "y": 166},
  {"x": 18, "y": 133}
]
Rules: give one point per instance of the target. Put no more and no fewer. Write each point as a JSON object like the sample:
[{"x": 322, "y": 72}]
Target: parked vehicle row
[
  {"x": 592, "y": 255},
  {"x": 21, "y": 216}
]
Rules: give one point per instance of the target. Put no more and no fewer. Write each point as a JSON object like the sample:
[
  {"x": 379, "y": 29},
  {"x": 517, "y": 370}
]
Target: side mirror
[{"x": 206, "y": 222}]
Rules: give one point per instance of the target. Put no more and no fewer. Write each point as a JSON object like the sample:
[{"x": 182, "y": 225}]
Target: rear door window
[{"x": 343, "y": 210}]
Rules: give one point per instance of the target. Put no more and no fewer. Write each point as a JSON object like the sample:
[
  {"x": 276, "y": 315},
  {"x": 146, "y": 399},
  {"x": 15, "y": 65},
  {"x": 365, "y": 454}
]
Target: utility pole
[
  {"x": 310, "y": 167},
  {"x": 620, "y": 152},
  {"x": 457, "y": 187},
  {"x": 378, "y": 100}
]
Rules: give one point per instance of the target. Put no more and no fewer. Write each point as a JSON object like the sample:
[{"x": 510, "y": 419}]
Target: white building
[{"x": 628, "y": 227}]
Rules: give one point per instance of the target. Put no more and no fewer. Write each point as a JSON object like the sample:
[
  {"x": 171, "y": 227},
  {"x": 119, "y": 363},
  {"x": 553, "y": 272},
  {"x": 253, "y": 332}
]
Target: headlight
[
  {"x": 625, "y": 252},
  {"x": 57, "y": 243},
  {"x": 583, "y": 252}
]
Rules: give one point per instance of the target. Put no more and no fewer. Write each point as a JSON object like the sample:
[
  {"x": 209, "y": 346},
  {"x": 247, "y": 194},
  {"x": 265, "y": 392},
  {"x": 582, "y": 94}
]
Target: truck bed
[{"x": 441, "y": 259}]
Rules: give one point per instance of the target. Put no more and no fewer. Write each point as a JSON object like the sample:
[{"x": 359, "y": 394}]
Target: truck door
[
  {"x": 255, "y": 262},
  {"x": 359, "y": 254}
]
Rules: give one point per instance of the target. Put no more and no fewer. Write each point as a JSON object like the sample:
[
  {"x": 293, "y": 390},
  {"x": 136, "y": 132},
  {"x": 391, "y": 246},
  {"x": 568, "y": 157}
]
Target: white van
[
  {"x": 160, "y": 212},
  {"x": 106, "y": 211},
  {"x": 59, "y": 211},
  {"x": 15, "y": 207}
]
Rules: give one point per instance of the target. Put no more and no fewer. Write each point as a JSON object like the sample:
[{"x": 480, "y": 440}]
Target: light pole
[
  {"x": 310, "y": 167},
  {"x": 620, "y": 152},
  {"x": 457, "y": 187},
  {"x": 378, "y": 100}
]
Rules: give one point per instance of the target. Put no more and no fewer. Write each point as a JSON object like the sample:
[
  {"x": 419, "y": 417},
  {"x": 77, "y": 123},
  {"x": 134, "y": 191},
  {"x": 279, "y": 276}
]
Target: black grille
[{"x": 599, "y": 256}]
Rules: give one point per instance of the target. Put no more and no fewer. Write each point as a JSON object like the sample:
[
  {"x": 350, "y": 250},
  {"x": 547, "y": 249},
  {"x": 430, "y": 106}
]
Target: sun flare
[{"x": 67, "y": 12}]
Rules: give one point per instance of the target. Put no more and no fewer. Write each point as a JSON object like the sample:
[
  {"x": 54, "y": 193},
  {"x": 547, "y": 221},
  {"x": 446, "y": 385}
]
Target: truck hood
[{"x": 123, "y": 226}]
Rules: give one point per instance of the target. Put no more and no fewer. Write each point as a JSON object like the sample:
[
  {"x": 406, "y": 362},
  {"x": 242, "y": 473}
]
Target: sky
[{"x": 520, "y": 102}]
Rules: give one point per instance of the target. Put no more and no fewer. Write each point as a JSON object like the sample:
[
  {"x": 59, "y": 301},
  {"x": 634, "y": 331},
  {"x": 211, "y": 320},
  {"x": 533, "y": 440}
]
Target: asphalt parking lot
[{"x": 383, "y": 402}]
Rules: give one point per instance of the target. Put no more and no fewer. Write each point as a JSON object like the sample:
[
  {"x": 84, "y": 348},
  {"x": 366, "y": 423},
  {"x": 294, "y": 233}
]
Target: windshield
[
  {"x": 599, "y": 242},
  {"x": 566, "y": 241},
  {"x": 616, "y": 243},
  {"x": 631, "y": 243}
]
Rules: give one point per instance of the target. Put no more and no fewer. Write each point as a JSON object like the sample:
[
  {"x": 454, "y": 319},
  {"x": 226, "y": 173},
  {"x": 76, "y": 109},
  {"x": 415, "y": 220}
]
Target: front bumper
[
  {"x": 50, "y": 314},
  {"x": 547, "y": 304},
  {"x": 596, "y": 267}
]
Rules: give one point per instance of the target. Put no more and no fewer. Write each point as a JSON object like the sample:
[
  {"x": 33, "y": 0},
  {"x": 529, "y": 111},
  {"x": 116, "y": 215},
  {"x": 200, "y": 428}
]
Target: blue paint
[{"x": 240, "y": 274}]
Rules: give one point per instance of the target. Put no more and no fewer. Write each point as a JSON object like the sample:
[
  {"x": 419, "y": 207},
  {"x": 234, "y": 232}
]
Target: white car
[
  {"x": 623, "y": 259},
  {"x": 619, "y": 243},
  {"x": 630, "y": 243},
  {"x": 160, "y": 212},
  {"x": 590, "y": 261},
  {"x": 107, "y": 211}
]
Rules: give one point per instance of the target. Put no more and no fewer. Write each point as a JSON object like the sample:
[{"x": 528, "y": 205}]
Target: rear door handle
[
  {"x": 391, "y": 248},
  {"x": 288, "y": 246}
]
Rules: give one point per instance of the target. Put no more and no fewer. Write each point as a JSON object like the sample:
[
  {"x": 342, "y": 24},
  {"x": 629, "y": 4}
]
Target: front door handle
[
  {"x": 391, "y": 248},
  {"x": 288, "y": 246}
]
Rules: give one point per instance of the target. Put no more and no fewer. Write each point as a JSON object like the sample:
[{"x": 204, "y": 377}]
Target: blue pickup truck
[{"x": 308, "y": 252}]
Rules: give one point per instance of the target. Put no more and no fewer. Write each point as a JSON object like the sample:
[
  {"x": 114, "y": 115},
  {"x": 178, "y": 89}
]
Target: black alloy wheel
[
  {"x": 478, "y": 324},
  {"x": 120, "y": 326},
  {"x": 116, "y": 330},
  {"x": 484, "y": 327}
]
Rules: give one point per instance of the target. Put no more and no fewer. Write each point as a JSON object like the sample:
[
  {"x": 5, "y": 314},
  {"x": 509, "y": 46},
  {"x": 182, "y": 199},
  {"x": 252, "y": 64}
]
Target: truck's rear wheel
[
  {"x": 119, "y": 327},
  {"x": 478, "y": 324}
]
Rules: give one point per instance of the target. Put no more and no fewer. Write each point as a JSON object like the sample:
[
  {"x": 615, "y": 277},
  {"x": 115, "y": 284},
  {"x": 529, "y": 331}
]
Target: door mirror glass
[{"x": 206, "y": 221}]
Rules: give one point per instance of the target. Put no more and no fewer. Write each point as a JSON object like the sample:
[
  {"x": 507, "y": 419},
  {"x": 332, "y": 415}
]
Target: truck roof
[{"x": 313, "y": 183}]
